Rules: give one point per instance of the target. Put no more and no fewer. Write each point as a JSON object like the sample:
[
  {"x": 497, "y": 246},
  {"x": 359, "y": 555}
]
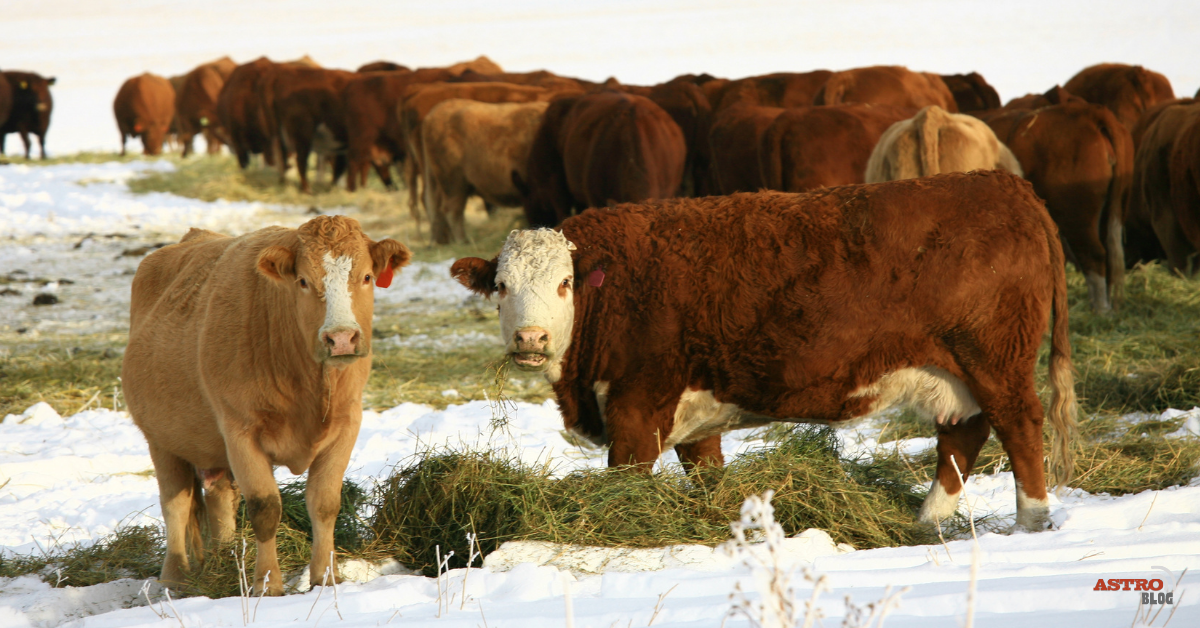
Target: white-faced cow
[
  {"x": 665, "y": 323},
  {"x": 248, "y": 353}
]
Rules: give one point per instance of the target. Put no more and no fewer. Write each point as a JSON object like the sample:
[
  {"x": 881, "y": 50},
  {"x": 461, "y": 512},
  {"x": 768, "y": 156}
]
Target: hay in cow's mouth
[{"x": 529, "y": 360}]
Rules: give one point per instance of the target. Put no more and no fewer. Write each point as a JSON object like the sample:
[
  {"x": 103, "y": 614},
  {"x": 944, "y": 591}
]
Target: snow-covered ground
[{"x": 1020, "y": 46}]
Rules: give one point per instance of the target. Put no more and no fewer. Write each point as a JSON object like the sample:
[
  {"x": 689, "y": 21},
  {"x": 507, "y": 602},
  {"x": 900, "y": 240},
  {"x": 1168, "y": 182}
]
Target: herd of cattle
[
  {"x": 1112, "y": 152},
  {"x": 25, "y": 107}
]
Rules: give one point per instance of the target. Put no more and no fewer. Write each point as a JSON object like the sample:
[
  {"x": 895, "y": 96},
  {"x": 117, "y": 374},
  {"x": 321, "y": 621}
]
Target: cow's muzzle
[
  {"x": 531, "y": 343},
  {"x": 342, "y": 342}
]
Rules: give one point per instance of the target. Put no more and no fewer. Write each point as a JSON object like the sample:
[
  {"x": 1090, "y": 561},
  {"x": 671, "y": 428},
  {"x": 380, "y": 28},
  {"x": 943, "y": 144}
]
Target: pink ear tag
[
  {"x": 596, "y": 277},
  {"x": 385, "y": 278}
]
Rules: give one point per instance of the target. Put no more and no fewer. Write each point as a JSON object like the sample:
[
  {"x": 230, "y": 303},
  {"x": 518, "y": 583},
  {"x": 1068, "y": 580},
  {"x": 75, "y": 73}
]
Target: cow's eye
[
  {"x": 501, "y": 287},
  {"x": 303, "y": 283},
  {"x": 367, "y": 279},
  {"x": 566, "y": 282}
]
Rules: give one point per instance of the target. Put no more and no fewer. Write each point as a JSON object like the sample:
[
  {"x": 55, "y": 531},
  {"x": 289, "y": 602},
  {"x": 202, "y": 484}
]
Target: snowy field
[
  {"x": 74, "y": 231},
  {"x": 1020, "y": 46}
]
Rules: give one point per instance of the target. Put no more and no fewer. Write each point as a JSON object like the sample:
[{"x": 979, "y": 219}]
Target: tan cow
[
  {"x": 935, "y": 141},
  {"x": 244, "y": 354},
  {"x": 470, "y": 148}
]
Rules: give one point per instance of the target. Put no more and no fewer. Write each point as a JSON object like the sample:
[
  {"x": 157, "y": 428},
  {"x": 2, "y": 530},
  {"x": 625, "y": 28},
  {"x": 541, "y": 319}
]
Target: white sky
[{"x": 1018, "y": 45}]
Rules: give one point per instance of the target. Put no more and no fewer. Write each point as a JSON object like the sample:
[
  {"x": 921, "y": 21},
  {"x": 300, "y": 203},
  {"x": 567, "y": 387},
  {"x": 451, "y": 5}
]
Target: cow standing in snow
[{"x": 666, "y": 323}]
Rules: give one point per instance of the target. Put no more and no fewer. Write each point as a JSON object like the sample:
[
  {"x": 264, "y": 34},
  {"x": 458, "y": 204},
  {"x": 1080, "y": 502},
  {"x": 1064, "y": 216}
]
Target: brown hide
[
  {"x": 600, "y": 148},
  {"x": 733, "y": 144},
  {"x": 538, "y": 78},
  {"x": 791, "y": 306},
  {"x": 1185, "y": 183},
  {"x": 420, "y": 99},
  {"x": 813, "y": 147},
  {"x": 474, "y": 148},
  {"x": 1150, "y": 115},
  {"x": 1154, "y": 228},
  {"x": 1079, "y": 158},
  {"x": 1054, "y": 96},
  {"x": 144, "y": 107},
  {"x": 382, "y": 66},
  {"x": 32, "y": 105},
  {"x": 886, "y": 85},
  {"x": 224, "y": 66},
  {"x": 971, "y": 92},
  {"x": 306, "y": 105},
  {"x": 226, "y": 376},
  {"x": 685, "y": 102},
  {"x": 6, "y": 101},
  {"x": 196, "y": 108},
  {"x": 241, "y": 114},
  {"x": 783, "y": 89},
  {"x": 374, "y": 137},
  {"x": 1127, "y": 90},
  {"x": 480, "y": 64}
]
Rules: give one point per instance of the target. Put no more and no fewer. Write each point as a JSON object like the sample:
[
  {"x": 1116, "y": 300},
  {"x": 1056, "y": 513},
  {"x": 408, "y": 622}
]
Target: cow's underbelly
[{"x": 932, "y": 392}]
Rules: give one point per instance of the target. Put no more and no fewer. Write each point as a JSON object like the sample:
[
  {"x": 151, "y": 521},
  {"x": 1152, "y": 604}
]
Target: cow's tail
[
  {"x": 1120, "y": 160},
  {"x": 929, "y": 123},
  {"x": 1063, "y": 406},
  {"x": 197, "y": 517}
]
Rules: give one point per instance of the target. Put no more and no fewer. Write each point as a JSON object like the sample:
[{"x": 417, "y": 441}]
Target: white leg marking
[
  {"x": 1032, "y": 514},
  {"x": 934, "y": 393},
  {"x": 939, "y": 504},
  {"x": 339, "y": 311}
]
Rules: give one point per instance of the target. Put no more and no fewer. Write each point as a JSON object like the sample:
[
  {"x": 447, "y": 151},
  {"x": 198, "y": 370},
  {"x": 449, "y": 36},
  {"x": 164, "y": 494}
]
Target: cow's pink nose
[
  {"x": 341, "y": 341},
  {"x": 531, "y": 340}
]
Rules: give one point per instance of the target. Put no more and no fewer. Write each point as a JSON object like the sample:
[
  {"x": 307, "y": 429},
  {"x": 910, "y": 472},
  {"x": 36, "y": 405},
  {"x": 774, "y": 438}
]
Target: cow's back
[{"x": 886, "y": 85}]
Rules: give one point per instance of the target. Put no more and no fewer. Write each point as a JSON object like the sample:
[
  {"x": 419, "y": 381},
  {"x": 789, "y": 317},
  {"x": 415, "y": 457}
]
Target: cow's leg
[
  {"x": 323, "y": 496},
  {"x": 961, "y": 443},
  {"x": 454, "y": 208},
  {"x": 123, "y": 143},
  {"x": 636, "y": 427},
  {"x": 255, "y": 478},
  {"x": 25, "y": 142},
  {"x": 41, "y": 137},
  {"x": 176, "y": 493},
  {"x": 221, "y": 499},
  {"x": 302, "y": 152},
  {"x": 702, "y": 453},
  {"x": 1018, "y": 425}
]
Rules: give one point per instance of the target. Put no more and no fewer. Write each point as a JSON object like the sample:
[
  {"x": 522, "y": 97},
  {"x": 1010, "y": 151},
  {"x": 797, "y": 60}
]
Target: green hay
[
  {"x": 68, "y": 377},
  {"x": 435, "y": 501},
  {"x": 129, "y": 552}
]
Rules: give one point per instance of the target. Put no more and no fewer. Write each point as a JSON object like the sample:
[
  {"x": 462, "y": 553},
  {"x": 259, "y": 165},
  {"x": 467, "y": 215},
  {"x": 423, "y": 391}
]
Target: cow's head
[
  {"x": 534, "y": 278},
  {"x": 330, "y": 274}
]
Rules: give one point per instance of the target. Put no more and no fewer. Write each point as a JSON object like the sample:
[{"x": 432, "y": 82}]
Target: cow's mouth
[{"x": 529, "y": 361}]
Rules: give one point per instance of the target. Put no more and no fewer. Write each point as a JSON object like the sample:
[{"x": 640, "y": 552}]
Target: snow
[{"x": 1020, "y": 47}]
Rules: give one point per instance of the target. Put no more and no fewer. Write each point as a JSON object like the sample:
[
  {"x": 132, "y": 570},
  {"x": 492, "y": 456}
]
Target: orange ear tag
[{"x": 385, "y": 278}]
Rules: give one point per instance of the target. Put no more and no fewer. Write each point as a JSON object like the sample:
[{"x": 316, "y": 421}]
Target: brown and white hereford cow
[
  {"x": 665, "y": 323},
  {"x": 247, "y": 353}
]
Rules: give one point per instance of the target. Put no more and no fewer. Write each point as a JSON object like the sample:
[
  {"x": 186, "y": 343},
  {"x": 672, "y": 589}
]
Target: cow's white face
[{"x": 534, "y": 279}]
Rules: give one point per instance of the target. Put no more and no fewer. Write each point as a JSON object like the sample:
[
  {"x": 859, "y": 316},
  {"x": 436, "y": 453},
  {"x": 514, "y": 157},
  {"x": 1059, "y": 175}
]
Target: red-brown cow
[
  {"x": 1054, "y": 96},
  {"x": 307, "y": 111},
  {"x": 1080, "y": 159},
  {"x": 733, "y": 142},
  {"x": 1127, "y": 90},
  {"x": 689, "y": 108},
  {"x": 599, "y": 148},
  {"x": 196, "y": 108},
  {"x": 1151, "y": 207},
  {"x": 1185, "y": 184},
  {"x": 241, "y": 114},
  {"x": 144, "y": 107},
  {"x": 6, "y": 101},
  {"x": 971, "y": 92},
  {"x": 31, "y": 109},
  {"x": 784, "y": 89},
  {"x": 374, "y": 137},
  {"x": 664, "y": 324},
  {"x": 382, "y": 66},
  {"x": 249, "y": 353},
  {"x": 886, "y": 85},
  {"x": 813, "y": 147}
]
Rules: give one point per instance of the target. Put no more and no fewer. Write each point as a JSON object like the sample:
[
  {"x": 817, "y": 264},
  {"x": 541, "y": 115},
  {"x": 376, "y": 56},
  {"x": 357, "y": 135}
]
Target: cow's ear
[
  {"x": 52, "y": 80},
  {"x": 277, "y": 263},
  {"x": 478, "y": 275},
  {"x": 387, "y": 256},
  {"x": 519, "y": 183}
]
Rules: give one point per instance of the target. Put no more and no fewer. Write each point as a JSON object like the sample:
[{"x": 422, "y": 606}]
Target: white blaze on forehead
[
  {"x": 339, "y": 311},
  {"x": 532, "y": 265}
]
